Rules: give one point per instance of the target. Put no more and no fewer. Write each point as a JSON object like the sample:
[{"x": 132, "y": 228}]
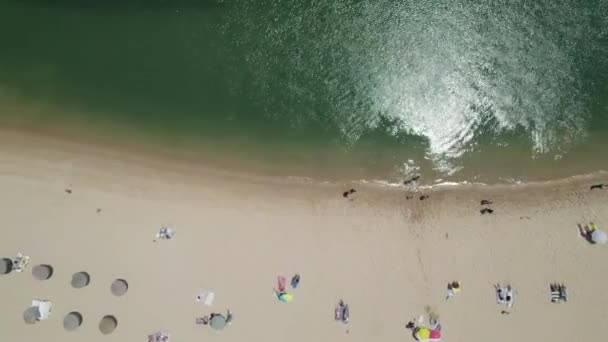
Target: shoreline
[
  {"x": 388, "y": 257},
  {"x": 80, "y": 126},
  {"x": 163, "y": 160}
]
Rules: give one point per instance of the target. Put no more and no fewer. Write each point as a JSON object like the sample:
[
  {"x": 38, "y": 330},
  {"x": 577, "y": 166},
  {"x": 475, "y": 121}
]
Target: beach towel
[
  {"x": 205, "y": 297},
  {"x": 281, "y": 283},
  {"x": 44, "y": 308},
  {"x": 283, "y": 297}
]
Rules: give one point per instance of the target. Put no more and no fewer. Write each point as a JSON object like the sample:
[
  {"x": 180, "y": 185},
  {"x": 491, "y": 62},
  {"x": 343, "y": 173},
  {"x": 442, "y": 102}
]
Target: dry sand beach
[{"x": 390, "y": 258}]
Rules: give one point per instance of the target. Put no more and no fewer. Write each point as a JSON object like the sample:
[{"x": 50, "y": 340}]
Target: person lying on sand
[
  {"x": 486, "y": 211},
  {"x": 599, "y": 186}
]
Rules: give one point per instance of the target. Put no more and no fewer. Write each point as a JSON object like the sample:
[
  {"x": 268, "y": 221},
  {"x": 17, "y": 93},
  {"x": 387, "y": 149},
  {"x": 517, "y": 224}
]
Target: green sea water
[{"x": 481, "y": 91}]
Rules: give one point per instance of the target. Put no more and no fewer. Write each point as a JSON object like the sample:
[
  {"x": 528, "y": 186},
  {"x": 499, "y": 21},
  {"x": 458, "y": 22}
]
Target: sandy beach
[{"x": 389, "y": 257}]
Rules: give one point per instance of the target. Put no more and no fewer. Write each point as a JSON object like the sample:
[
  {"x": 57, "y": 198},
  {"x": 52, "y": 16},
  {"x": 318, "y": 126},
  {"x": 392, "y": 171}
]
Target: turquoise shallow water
[{"x": 456, "y": 90}]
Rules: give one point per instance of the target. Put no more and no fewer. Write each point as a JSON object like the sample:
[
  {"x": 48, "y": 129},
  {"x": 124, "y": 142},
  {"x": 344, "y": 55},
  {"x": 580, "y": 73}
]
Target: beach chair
[
  {"x": 202, "y": 320},
  {"x": 338, "y": 311},
  {"x": 345, "y": 314},
  {"x": 564, "y": 294},
  {"x": 20, "y": 262},
  {"x": 165, "y": 233},
  {"x": 342, "y": 312},
  {"x": 160, "y": 336},
  {"x": 504, "y": 295},
  {"x": 558, "y": 293}
]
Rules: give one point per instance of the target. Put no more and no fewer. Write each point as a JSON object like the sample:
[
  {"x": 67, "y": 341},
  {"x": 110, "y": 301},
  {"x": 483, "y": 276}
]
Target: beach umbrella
[
  {"x": 218, "y": 322},
  {"x": 422, "y": 334},
  {"x": 31, "y": 315},
  {"x": 599, "y": 236},
  {"x": 435, "y": 335}
]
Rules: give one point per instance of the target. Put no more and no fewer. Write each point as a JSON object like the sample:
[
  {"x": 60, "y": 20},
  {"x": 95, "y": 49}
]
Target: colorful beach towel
[{"x": 283, "y": 297}]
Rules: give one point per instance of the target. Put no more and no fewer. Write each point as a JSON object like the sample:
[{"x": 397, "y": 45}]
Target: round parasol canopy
[
  {"x": 218, "y": 322},
  {"x": 599, "y": 236},
  {"x": 31, "y": 315},
  {"x": 422, "y": 334},
  {"x": 435, "y": 335}
]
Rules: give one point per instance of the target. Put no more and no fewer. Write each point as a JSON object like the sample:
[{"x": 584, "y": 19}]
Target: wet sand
[{"x": 390, "y": 258}]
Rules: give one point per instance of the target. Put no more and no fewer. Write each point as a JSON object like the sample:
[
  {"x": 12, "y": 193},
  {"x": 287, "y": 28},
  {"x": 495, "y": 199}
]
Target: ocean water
[{"x": 462, "y": 90}]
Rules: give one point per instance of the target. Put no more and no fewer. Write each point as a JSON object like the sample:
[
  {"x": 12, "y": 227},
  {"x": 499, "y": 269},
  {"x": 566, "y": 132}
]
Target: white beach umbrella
[{"x": 599, "y": 236}]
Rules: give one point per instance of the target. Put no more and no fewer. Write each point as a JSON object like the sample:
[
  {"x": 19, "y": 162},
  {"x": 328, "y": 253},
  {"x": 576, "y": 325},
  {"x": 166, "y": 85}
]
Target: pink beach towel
[{"x": 281, "y": 283}]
